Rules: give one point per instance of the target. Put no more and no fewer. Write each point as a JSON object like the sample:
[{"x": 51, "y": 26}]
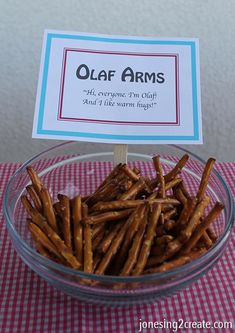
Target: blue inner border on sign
[{"x": 40, "y": 129}]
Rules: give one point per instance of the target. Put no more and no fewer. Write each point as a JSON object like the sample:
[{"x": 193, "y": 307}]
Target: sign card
[{"x": 118, "y": 89}]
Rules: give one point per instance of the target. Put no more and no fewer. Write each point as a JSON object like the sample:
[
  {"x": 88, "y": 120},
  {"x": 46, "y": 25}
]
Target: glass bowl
[{"x": 65, "y": 169}]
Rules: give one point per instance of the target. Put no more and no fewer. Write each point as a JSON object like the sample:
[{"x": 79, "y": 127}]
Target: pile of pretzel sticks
[{"x": 131, "y": 225}]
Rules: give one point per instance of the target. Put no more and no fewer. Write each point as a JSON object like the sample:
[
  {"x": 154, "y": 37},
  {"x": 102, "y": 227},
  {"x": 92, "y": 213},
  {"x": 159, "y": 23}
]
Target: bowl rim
[{"x": 191, "y": 266}]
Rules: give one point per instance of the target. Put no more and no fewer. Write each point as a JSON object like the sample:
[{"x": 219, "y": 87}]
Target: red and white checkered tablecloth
[{"x": 29, "y": 304}]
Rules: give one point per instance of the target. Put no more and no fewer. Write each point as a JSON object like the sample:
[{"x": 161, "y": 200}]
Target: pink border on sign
[{"x": 60, "y": 117}]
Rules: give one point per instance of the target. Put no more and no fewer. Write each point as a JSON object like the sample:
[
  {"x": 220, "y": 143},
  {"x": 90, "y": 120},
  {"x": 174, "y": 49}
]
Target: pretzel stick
[
  {"x": 105, "y": 261},
  {"x": 48, "y": 210},
  {"x": 173, "y": 183},
  {"x": 160, "y": 244},
  {"x": 169, "y": 225},
  {"x": 88, "y": 254},
  {"x": 136, "y": 245},
  {"x": 177, "y": 168},
  {"x": 35, "y": 198},
  {"x": 77, "y": 228},
  {"x": 169, "y": 214},
  {"x": 36, "y": 181},
  {"x": 171, "y": 249},
  {"x": 44, "y": 252},
  {"x": 201, "y": 228},
  {"x": 211, "y": 234},
  {"x": 186, "y": 233},
  {"x": 205, "y": 178},
  {"x": 124, "y": 204},
  {"x": 177, "y": 262},
  {"x": 136, "y": 170},
  {"x": 180, "y": 195},
  {"x": 97, "y": 240},
  {"x": 137, "y": 218},
  {"x": 184, "y": 190},
  {"x": 207, "y": 242},
  {"x": 108, "y": 216},
  {"x": 163, "y": 240},
  {"x": 134, "y": 190},
  {"x": 57, "y": 209},
  {"x": 107, "y": 240},
  {"x": 52, "y": 235},
  {"x": 160, "y": 177},
  {"x": 66, "y": 225},
  {"x": 130, "y": 173},
  {"x": 150, "y": 233},
  {"x": 186, "y": 213},
  {"x": 40, "y": 237},
  {"x": 97, "y": 229},
  {"x": 111, "y": 175},
  {"x": 97, "y": 259}
]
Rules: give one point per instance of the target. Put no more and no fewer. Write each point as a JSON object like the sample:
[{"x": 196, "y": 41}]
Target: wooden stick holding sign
[{"x": 120, "y": 154}]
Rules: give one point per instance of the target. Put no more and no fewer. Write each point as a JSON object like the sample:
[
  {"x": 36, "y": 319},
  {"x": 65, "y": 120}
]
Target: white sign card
[{"x": 118, "y": 89}]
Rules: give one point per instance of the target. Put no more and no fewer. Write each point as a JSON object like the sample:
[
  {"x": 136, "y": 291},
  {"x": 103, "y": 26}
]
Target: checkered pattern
[{"x": 29, "y": 304}]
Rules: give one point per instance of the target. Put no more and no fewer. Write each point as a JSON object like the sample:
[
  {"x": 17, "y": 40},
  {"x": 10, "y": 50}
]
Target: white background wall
[{"x": 21, "y": 29}]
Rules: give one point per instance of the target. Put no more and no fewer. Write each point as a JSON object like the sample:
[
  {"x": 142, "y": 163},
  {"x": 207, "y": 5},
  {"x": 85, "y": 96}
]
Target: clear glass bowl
[{"x": 65, "y": 169}]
